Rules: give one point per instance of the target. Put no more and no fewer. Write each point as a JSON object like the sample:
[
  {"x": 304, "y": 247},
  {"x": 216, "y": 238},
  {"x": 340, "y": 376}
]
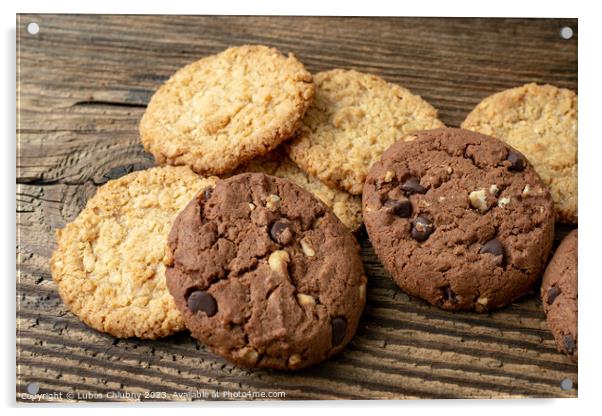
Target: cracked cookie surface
[
  {"x": 108, "y": 264},
  {"x": 347, "y": 207},
  {"x": 354, "y": 117},
  {"x": 541, "y": 122},
  {"x": 559, "y": 295},
  {"x": 459, "y": 219},
  {"x": 264, "y": 274},
  {"x": 224, "y": 109}
]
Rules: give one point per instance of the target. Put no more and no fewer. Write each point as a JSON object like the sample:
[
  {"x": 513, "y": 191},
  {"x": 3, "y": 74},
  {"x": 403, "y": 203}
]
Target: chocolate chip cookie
[
  {"x": 224, "y": 109},
  {"x": 541, "y": 122},
  {"x": 354, "y": 117},
  {"x": 108, "y": 264},
  {"x": 264, "y": 274},
  {"x": 559, "y": 295},
  {"x": 459, "y": 219}
]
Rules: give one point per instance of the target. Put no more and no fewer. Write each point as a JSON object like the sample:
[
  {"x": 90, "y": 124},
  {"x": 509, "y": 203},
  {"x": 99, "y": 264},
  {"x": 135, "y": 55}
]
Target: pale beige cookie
[
  {"x": 541, "y": 122},
  {"x": 109, "y": 261},
  {"x": 348, "y": 208},
  {"x": 353, "y": 119},
  {"x": 224, "y": 109}
]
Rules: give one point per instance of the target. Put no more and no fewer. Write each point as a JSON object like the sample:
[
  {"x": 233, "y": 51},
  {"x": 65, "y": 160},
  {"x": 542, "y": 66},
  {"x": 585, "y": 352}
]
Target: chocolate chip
[
  {"x": 517, "y": 161},
  {"x": 493, "y": 247},
  {"x": 207, "y": 192},
  {"x": 422, "y": 228},
  {"x": 569, "y": 343},
  {"x": 412, "y": 186},
  {"x": 553, "y": 293},
  {"x": 402, "y": 208},
  {"x": 449, "y": 295},
  {"x": 339, "y": 330},
  {"x": 280, "y": 232},
  {"x": 200, "y": 300}
]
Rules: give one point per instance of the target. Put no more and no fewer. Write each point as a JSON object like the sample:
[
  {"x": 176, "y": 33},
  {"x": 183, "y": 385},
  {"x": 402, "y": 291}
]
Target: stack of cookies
[{"x": 243, "y": 234}]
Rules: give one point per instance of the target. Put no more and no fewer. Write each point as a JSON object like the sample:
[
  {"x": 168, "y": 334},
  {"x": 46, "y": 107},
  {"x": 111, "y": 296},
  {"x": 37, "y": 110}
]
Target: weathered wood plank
[{"x": 83, "y": 84}]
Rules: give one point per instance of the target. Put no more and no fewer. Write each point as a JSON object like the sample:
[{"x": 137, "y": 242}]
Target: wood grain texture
[{"x": 83, "y": 83}]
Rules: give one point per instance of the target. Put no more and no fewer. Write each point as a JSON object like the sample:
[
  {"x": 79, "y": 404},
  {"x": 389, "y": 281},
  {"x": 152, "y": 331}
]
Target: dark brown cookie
[
  {"x": 264, "y": 274},
  {"x": 559, "y": 295},
  {"x": 459, "y": 219}
]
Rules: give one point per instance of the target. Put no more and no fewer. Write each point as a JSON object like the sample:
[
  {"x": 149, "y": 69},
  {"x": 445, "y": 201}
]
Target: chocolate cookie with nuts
[
  {"x": 264, "y": 274},
  {"x": 559, "y": 295},
  {"x": 459, "y": 219}
]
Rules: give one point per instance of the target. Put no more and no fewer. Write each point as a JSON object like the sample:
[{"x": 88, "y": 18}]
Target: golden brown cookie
[
  {"x": 541, "y": 122},
  {"x": 227, "y": 108},
  {"x": 109, "y": 261},
  {"x": 344, "y": 205},
  {"x": 353, "y": 119}
]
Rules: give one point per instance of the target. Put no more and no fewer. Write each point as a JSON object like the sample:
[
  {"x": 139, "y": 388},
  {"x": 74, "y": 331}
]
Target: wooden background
[{"x": 83, "y": 83}]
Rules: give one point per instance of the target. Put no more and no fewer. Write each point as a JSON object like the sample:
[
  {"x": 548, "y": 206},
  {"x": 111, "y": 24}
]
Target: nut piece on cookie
[
  {"x": 502, "y": 202},
  {"x": 482, "y": 199},
  {"x": 307, "y": 248},
  {"x": 304, "y": 299},
  {"x": 294, "y": 360},
  {"x": 362, "y": 291},
  {"x": 481, "y": 304},
  {"x": 248, "y": 355},
  {"x": 271, "y": 202},
  {"x": 478, "y": 200},
  {"x": 278, "y": 262}
]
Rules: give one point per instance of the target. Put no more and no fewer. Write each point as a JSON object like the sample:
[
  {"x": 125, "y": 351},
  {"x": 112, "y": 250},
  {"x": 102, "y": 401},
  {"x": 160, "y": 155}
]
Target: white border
[
  {"x": 589, "y": 153},
  {"x": 507, "y": 8}
]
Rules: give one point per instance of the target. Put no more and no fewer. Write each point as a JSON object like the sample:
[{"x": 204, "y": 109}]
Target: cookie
[
  {"x": 459, "y": 219},
  {"x": 559, "y": 295},
  {"x": 353, "y": 119},
  {"x": 108, "y": 265},
  {"x": 264, "y": 274},
  {"x": 344, "y": 205},
  {"x": 541, "y": 122},
  {"x": 227, "y": 108}
]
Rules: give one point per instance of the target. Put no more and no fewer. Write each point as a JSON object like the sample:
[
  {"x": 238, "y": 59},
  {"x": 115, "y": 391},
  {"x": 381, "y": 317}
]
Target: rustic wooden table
[{"x": 83, "y": 83}]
